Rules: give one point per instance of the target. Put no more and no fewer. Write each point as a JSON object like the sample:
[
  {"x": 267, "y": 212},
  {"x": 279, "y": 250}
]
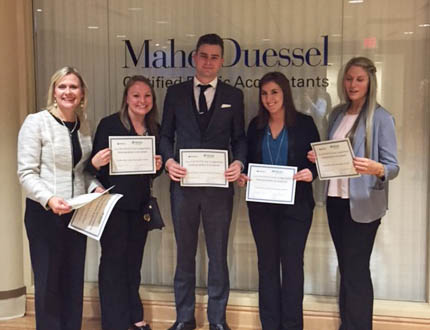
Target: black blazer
[
  {"x": 300, "y": 137},
  {"x": 135, "y": 188},
  {"x": 226, "y": 129}
]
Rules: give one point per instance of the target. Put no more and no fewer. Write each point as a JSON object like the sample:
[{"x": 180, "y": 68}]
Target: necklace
[
  {"x": 74, "y": 127},
  {"x": 279, "y": 147}
]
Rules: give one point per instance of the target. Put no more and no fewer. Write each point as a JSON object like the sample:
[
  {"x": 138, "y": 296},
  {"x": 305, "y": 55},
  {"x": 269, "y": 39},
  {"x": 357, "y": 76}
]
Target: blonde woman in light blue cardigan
[{"x": 355, "y": 206}]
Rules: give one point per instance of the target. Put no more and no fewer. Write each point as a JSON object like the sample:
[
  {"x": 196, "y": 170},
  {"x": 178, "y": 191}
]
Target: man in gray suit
[{"x": 203, "y": 113}]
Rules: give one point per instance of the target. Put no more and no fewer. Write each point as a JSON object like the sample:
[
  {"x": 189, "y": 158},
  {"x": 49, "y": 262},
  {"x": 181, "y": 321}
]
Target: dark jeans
[
  {"x": 280, "y": 241},
  {"x": 354, "y": 243},
  {"x": 58, "y": 260},
  {"x": 212, "y": 207},
  {"x": 122, "y": 243}
]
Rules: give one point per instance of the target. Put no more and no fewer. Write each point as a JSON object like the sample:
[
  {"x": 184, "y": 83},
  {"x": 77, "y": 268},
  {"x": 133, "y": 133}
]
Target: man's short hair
[{"x": 211, "y": 39}]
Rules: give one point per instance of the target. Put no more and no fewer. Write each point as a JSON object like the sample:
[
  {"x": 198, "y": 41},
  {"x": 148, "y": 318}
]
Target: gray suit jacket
[
  {"x": 180, "y": 129},
  {"x": 368, "y": 194}
]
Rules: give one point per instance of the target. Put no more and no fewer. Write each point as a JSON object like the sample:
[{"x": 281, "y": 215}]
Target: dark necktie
[{"x": 203, "y": 106}]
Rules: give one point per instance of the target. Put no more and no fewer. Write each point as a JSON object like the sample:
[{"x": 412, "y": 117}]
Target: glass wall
[{"x": 309, "y": 41}]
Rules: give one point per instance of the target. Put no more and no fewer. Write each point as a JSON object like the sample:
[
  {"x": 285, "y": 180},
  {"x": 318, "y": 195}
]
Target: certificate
[
  {"x": 334, "y": 159},
  {"x": 132, "y": 155},
  {"x": 91, "y": 218},
  {"x": 271, "y": 184},
  {"x": 82, "y": 200},
  {"x": 205, "y": 167}
]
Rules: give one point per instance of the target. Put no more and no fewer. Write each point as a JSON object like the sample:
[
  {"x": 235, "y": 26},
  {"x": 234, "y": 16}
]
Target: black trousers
[
  {"x": 58, "y": 259},
  {"x": 280, "y": 241},
  {"x": 122, "y": 243},
  {"x": 212, "y": 207},
  {"x": 354, "y": 243}
]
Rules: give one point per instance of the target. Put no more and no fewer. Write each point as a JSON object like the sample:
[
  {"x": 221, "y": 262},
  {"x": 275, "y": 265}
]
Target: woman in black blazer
[
  {"x": 124, "y": 236},
  {"x": 279, "y": 135}
]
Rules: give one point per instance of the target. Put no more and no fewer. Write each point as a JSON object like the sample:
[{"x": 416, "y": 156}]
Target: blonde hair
[
  {"x": 370, "y": 104},
  {"x": 59, "y": 74}
]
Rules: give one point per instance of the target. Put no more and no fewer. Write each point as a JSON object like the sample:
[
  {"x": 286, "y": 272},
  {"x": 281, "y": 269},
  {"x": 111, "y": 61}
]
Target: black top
[
  {"x": 73, "y": 128},
  {"x": 300, "y": 137},
  {"x": 135, "y": 188}
]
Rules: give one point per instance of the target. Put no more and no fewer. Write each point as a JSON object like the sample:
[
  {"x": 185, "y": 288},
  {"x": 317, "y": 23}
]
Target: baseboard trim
[{"x": 162, "y": 310}]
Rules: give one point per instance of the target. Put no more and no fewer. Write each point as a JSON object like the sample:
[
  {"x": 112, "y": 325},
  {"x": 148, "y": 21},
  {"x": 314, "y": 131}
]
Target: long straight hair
[
  {"x": 288, "y": 104},
  {"x": 370, "y": 103},
  {"x": 151, "y": 118}
]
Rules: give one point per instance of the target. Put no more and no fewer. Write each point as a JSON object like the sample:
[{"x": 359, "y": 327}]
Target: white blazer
[{"x": 45, "y": 161}]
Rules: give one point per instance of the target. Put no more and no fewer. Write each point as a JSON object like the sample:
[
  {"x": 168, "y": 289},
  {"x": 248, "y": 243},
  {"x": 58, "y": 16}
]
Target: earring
[
  {"x": 82, "y": 104},
  {"x": 55, "y": 103}
]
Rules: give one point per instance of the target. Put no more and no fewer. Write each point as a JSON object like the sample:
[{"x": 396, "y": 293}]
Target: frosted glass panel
[{"x": 309, "y": 41}]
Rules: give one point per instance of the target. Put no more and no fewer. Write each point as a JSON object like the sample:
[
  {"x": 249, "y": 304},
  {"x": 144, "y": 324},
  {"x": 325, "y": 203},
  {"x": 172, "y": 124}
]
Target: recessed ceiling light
[
  {"x": 39, "y": 10},
  {"x": 424, "y": 25},
  {"x": 135, "y": 9},
  {"x": 408, "y": 32},
  {"x": 93, "y": 27},
  {"x": 356, "y": 1},
  {"x": 122, "y": 36}
]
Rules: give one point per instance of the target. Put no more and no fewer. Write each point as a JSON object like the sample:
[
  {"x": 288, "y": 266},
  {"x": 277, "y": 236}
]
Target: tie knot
[{"x": 203, "y": 87}]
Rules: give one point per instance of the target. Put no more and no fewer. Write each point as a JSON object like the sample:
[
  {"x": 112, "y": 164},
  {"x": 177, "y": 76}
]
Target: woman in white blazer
[
  {"x": 355, "y": 206},
  {"x": 53, "y": 148}
]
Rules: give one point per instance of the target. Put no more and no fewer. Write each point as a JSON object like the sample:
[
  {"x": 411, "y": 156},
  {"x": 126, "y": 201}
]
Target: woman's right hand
[
  {"x": 59, "y": 206},
  {"x": 311, "y": 156},
  {"x": 243, "y": 179},
  {"x": 101, "y": 158}
]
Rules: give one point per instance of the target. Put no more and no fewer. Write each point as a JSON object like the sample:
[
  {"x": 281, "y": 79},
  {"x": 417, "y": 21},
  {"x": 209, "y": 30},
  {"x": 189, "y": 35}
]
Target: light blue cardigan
[{"x": 368, "y": 194}]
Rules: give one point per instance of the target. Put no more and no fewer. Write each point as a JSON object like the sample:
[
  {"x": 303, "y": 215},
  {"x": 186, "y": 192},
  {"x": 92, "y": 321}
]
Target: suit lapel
[
  {"x": 217, "y": 103},
  {"x": 360, "y": 134},
  {"x": 291, "y": 134},
  {"x": 189, "y": 104}
]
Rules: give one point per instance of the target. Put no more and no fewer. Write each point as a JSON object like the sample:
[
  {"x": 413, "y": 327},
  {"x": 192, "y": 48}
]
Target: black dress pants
[
  {"x": 354, "y": 243},
  {"x": 58, "y": 260},
  {"x": 280, "y": 241},
  {"x": 122, "y": 243}
]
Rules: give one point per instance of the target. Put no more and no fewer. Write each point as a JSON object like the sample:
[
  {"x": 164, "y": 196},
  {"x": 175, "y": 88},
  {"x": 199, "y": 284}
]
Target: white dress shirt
[{"x": 209, "y": 93}]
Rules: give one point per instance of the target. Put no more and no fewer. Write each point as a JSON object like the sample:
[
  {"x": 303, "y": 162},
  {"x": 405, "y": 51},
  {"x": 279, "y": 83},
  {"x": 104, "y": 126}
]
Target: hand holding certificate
[
  {"x": 205, "y": 167},
  {"x": 271, "y": 184},
  {"x": 132, "y": 155},
  {"x": 92, "y": 213},
  {"x": 334, "y": 159},
  {"x": 82, "y": 200}
]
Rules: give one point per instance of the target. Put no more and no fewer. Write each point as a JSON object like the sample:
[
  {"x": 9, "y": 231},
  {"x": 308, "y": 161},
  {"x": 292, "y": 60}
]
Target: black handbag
[{"x": 152, "y": 214}]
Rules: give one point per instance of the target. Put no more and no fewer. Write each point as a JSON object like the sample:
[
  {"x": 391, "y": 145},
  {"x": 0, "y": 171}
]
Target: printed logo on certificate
[
  {"x": 271, "y": 184},
  {"x": 205, "y": 167},
  {"x": 334, "y": 159},
  {"x": 132, "y": 155}
]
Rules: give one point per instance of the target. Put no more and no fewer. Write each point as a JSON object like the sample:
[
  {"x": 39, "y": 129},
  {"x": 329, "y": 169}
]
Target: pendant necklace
[
  {"x": 74, "y": 127},
  {"x": 279, "y": 147}
]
